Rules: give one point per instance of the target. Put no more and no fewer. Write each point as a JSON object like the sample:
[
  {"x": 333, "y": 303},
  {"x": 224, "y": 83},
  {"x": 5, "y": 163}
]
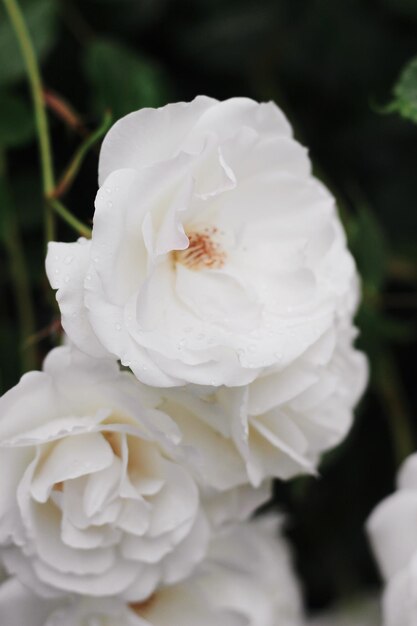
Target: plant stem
[
  {"x": 28, "y": 53},
  {"x": 390, "y": 389},
  {"x": 74, "y": 166},
  {"x": 69, "y": 218}
]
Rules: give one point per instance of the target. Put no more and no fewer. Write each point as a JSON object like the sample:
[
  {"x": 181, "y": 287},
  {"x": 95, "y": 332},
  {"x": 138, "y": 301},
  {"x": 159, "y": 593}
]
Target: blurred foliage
[
  {"x": 40, "y": 17},
  {"x": 140, "y": 81},
  {"x": 405, "y": 92},
  {"x": 16, "y": 121},
  {"x": 326, "y": 64}
]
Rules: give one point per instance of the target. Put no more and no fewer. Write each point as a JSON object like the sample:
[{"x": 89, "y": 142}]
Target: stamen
[{"x": 203, "y": 251}]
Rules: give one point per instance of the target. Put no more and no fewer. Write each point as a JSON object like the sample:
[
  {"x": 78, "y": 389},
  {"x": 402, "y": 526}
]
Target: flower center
[
  {"x": 114, "y": 440},
  {"x": 140, "y": 608},
  {"x": 203, "y": 251}
]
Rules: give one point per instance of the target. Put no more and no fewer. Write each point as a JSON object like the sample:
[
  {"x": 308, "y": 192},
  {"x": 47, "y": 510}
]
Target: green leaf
[
  {"x": 40, "y": 19},
  {"x": 121, "y": 80},
  {"x": 405, "y": 92},
  {"x": 16, "y": 121},
  {"x": 369, "y": 247}
]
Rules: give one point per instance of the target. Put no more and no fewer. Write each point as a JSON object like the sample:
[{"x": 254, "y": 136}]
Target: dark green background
[{"x": 332, "y": 67}]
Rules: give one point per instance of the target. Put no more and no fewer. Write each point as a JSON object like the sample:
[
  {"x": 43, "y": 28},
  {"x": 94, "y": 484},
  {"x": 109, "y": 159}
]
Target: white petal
[
  {"x": 20, "y": 607},
  {"x": 149, "y": 135},
  {"x": 66, "y": 268},
  {"x": 392, "y": 529},
  {"x": 70, "y": 458}
]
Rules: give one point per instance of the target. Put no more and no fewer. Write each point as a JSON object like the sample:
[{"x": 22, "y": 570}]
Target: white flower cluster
[{"x": 210, "y": 350}]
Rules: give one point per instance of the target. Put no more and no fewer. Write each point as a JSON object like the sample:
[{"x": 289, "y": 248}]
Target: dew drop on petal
[{"x": 68, "y": 259}]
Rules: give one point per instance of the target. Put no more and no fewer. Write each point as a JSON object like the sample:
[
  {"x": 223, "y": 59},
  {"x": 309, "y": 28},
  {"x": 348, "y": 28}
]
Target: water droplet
[
  {"x": 57, "y": 271},
  {"x": 278, "y": 356},
  {"x": 88, "y": 277},
  {"x": 67, "y": 279},
  {"x": 116, "y": 188},
  {"x": 110, "y": 204},
  {"x": 96, "y": 259},
  {"x": 56, "y": 258},
  {"x": 108, "y": 189},
  {"x": 144, "y": 367},
  {"x": 68, "y": 259},
  {"x": 180, "y": 344},
  {"x": 118, "y": 327}
]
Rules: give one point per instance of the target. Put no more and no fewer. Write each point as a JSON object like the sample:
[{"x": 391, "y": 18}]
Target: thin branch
[
  {"x": 390, "y": 389},
  {"x": 32, "y": 69},
  {"x": 64, "y": 111},
  {"x": 74, "y": 167},
  {"x": 69, "y": 218}
]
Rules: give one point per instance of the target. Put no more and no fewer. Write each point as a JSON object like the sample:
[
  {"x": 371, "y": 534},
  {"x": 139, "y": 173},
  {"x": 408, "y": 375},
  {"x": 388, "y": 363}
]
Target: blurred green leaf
[
  {"x": 40, "y": 18},
  {"x": 27, "y": 192},
  {"x": 405, "y": 92},
  {"x": 16, "y": 121},
  {"x": 369, "y": 247},
  {"x": 121, "y": 80}
]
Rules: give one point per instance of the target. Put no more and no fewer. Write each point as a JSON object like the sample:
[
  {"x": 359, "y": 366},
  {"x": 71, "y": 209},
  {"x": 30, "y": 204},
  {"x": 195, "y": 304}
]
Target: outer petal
[
  {"x": 392, "y": 528},
  {"x": 149, "y": 135},
  {"x": 20, "y": 607},
  {"x": 67, "y": 270}
]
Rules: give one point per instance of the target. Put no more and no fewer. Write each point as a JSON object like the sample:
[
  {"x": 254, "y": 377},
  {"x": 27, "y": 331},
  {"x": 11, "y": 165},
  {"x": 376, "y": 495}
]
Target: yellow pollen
[{"x": 202, "y": 252}]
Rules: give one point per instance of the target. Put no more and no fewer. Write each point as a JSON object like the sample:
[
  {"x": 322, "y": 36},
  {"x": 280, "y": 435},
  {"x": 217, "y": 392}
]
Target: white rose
[
  {"x": 392, "y": 529},
  {"x": 215, "y": 257},
  {"x": 91, "y": 500},
  {"x": 246, "y": 580},
  {"x": 278, "y": 425}
]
